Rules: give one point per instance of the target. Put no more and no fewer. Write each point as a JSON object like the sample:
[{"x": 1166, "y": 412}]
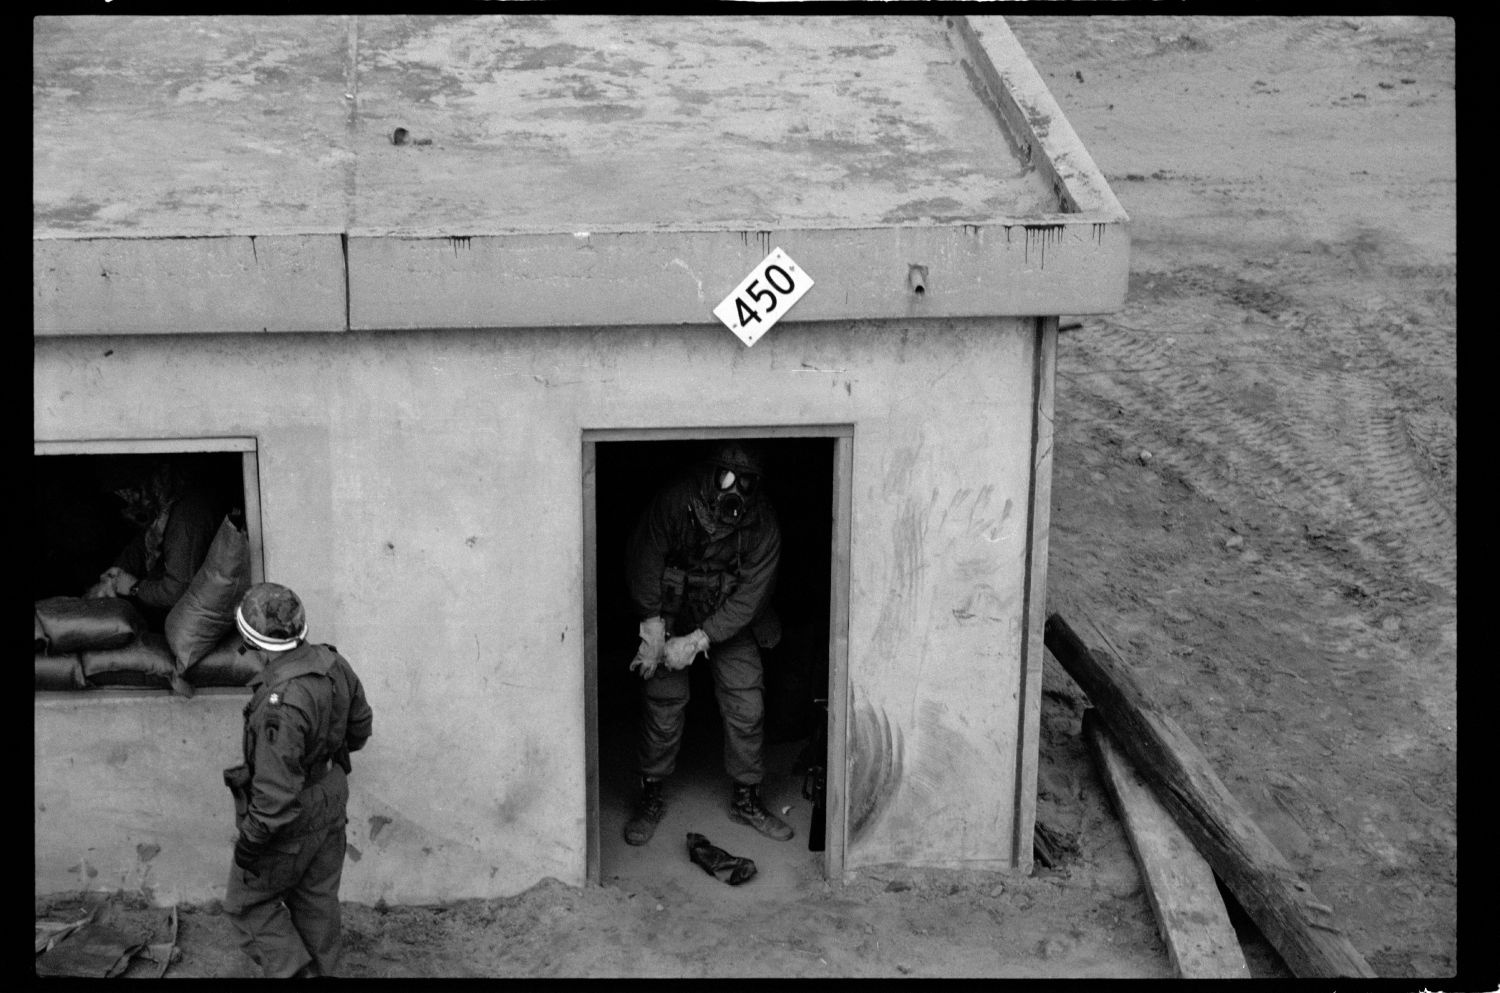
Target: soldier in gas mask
[{"x": 701, "y": 566}]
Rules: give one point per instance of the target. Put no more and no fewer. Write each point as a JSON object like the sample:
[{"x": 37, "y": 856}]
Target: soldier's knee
[
  {"x": 742, "y": 709},
  {"x": 666, "y": 692}
]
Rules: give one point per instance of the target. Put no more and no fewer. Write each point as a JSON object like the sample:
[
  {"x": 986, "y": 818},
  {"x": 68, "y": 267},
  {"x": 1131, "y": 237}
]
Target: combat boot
[
  {"x": 647, "y": 812},
  {"x": 747, "y": 809}
]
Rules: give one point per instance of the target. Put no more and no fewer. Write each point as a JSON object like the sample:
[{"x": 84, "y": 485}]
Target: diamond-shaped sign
[{"x": 764, "y": 297}]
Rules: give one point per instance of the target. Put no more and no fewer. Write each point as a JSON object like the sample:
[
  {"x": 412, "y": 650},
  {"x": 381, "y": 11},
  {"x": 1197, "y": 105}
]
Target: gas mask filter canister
[{"x": 729, "y": 503}]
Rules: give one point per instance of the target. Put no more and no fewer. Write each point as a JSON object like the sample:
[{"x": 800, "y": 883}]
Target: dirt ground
[{"x": 1254, "y": 499}]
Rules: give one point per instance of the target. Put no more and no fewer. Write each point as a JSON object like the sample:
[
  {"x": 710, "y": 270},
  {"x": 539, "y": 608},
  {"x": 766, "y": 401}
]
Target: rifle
[{"x": 814, "y": 759}]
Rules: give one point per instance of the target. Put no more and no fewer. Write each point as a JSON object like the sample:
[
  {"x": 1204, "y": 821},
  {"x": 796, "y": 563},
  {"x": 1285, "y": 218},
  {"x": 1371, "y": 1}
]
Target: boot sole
[
  {"x": 741, "y": 819},
  {"x": 649, "y": 835}
]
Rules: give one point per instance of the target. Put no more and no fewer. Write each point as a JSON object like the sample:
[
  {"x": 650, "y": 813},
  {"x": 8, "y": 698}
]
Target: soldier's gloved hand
[
  {"x": 247, "y": 853},
  {"x": 680, "y": 652},
  {"x": 653, "y": 631}
]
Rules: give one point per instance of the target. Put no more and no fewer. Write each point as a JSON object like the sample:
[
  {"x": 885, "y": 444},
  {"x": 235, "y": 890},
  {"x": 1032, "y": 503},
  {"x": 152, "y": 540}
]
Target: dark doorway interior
[{"x": 799, "y": 482}]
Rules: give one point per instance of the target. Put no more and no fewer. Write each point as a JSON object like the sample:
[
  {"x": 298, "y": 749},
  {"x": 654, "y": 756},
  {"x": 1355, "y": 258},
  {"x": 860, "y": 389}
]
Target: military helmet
[
  {"x": 271, "y": 617},
  {"x": 739, "y": 457}
]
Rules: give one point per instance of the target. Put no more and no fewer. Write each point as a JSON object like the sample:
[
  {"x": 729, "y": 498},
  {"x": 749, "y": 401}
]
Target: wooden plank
[
  {"x": 1189, "y": 911},
  {"x": 1283, "y": 906}
]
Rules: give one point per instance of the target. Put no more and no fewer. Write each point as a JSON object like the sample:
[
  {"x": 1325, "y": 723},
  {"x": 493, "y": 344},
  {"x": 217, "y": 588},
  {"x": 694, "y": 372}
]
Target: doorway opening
[{"x": 806, "y": 482}]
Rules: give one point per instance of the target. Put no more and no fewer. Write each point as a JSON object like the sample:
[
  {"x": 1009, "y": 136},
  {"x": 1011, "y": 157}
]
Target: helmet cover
[
  {"x": 739, "y": 457},
  {"x": 271, "y": 617}
]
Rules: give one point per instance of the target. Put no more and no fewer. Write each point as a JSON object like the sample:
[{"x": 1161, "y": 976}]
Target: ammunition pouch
[
  {"x": 705, "y": 593},
  {"x": 673, "y": 585},
  {"x": 237, "y": 778},
  {"x": 767, "y": 628},
  {"x": 690, "y": 598}
]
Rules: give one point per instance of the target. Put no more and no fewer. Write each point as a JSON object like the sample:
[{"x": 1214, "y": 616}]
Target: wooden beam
[
  {"x": 1283, "y": 906},
  {"x": 1189, "y": 910}
]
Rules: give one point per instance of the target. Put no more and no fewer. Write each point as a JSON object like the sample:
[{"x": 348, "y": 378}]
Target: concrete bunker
[{"x": 435, "y": 358}]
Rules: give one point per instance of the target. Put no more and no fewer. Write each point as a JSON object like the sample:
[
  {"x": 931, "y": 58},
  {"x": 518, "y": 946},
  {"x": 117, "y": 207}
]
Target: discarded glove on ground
[{"x": 718, "y": 863}]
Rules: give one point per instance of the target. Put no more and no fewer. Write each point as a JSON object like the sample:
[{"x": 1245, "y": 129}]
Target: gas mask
[
  {"x": 139, "y": 509},
  {"x": 731, "y": 495}
]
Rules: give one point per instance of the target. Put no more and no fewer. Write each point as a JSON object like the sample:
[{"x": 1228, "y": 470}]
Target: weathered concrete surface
[
  {"x": 423, "y": 493},
  {"x": 128, "y": 795},
  {"x": 591, "y": 279},
  {"x": 285, "y": 282},
  {"x": 189, "y": 126},
  {"x": 241, "y": 125},
  {"x": 872, "y": 143}
]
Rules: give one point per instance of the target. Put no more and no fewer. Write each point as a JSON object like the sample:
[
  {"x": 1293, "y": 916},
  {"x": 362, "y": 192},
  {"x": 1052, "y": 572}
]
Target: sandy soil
[{"x": 1254, "y": 498}]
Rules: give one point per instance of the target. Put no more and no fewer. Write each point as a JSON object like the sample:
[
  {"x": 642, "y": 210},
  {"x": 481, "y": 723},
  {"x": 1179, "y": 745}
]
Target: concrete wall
[{"x": 422, "y": 492}]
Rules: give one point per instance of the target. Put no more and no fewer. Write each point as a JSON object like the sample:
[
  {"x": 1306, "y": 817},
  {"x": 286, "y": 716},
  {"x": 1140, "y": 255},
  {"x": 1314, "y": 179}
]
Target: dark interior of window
[{"x": 78, "y": 520}]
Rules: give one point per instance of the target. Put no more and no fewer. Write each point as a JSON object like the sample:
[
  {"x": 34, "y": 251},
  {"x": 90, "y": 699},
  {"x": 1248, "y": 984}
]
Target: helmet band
[{"x": 261, "y": 641}]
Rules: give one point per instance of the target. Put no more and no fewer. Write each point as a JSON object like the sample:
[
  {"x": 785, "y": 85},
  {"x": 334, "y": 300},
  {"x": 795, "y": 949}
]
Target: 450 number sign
[{"x": 764, "y": 297}]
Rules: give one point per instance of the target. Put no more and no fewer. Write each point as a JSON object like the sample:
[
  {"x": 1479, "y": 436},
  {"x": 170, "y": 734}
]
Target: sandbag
[
  {"x": 73, "y": 624},
  {"x": 198, "y": 621},
  {"x": 144, "y": 662},
  {"x": 59, "y": 672},
  {"x": 225, "y": 666}
]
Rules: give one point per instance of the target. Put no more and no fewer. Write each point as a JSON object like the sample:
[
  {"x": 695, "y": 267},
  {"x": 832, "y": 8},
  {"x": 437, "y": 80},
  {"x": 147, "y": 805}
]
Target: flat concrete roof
[{"x": 531, "y": 138}]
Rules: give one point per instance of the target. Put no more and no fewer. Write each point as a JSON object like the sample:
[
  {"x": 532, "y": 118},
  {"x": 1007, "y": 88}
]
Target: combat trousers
[
  {"x": 287, "y": 914},
  {"x": 739, "y": 687}
]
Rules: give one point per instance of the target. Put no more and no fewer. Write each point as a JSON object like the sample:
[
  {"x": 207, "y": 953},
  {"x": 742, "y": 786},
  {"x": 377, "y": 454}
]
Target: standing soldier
[
  {"x": 307, "y": 713},
  {"x": 701, "y": 569}
]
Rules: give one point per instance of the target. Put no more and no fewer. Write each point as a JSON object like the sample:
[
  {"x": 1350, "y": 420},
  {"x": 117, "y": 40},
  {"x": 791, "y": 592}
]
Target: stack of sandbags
[
  {"x": 144, "y": 662},
  {"x": 82, "y": 643},
  {"x": 225, "y": 665},
  {"x": 68, "y": 629}
]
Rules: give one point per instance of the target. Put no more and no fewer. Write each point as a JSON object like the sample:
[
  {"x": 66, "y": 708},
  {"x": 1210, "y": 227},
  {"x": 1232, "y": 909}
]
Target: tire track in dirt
[
  {"x": 1402, "y": 519},
  {"x": 1271, "y": 42},
  {"x": 1389, "y": 517},
  {"x": 1290, "y": 564}
]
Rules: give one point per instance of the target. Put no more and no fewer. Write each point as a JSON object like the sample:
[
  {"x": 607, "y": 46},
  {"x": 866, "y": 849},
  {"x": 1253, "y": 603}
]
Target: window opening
[{"x": 140, "y": 551}]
